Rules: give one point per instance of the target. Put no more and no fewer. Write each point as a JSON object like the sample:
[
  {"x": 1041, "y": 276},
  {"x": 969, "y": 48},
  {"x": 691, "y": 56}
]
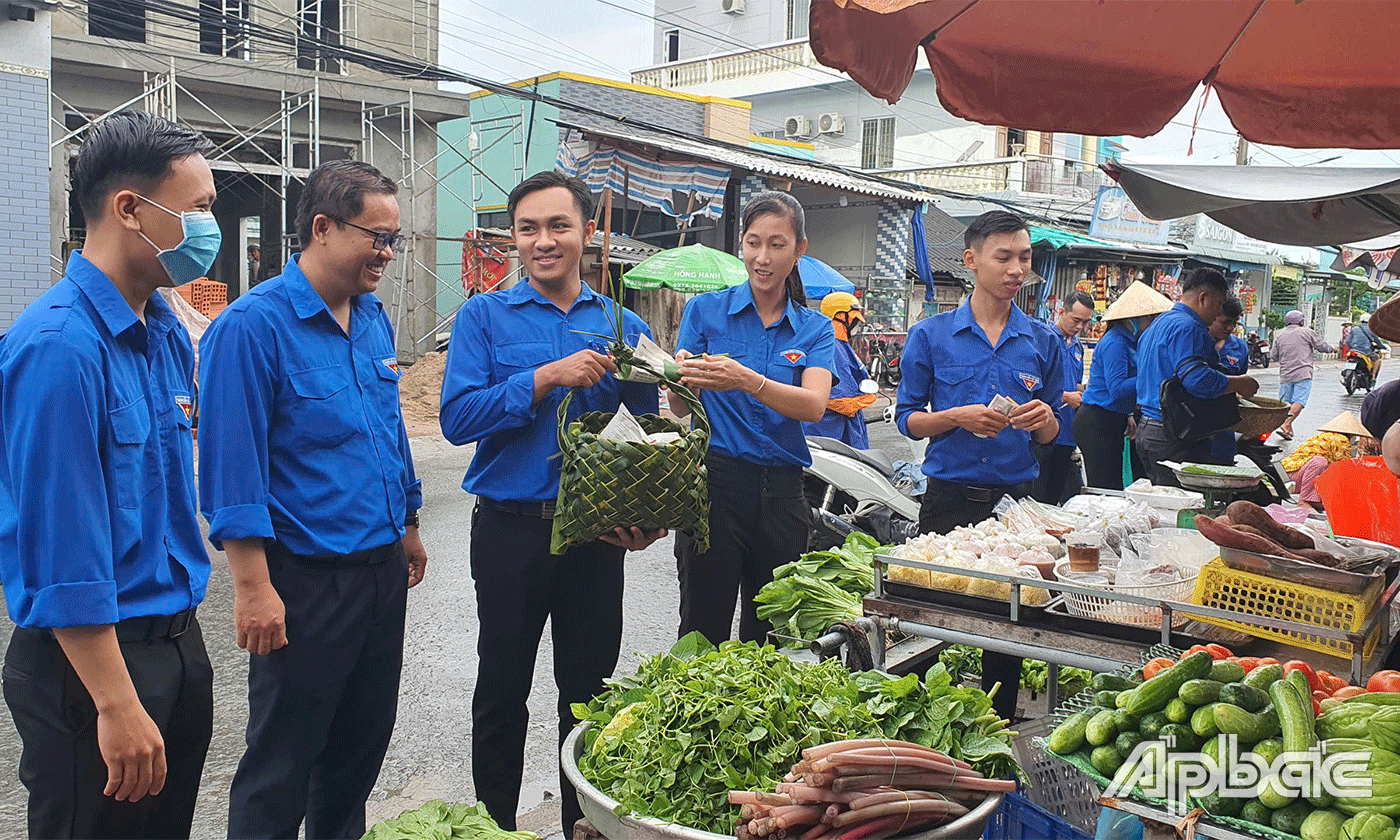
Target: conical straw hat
[
  {"x": 1137, "y": 300},
  {"x": 1345, "y": 423}
]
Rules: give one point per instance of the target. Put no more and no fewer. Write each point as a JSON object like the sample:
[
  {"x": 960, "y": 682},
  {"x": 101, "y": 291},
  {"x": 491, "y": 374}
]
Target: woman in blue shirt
[
  {"x": 1101, "y": 424},
  {"x": 762, "y": 364}
]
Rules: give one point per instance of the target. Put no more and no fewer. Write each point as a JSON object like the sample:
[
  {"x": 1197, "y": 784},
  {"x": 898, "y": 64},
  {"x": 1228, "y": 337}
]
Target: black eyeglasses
[{"x": 392, "y": 241}]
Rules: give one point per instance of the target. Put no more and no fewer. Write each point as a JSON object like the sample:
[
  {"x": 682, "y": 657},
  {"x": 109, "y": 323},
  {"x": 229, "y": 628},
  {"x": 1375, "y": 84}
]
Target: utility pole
[{"x": 1241, "y": 151}]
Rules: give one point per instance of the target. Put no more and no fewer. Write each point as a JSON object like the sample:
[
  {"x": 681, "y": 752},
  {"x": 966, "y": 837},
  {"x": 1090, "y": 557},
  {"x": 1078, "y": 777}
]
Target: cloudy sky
[{"x": 505, "y": 40}]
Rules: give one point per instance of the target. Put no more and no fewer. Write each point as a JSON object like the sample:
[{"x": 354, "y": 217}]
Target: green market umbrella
[{"x": 691, "y": 269}]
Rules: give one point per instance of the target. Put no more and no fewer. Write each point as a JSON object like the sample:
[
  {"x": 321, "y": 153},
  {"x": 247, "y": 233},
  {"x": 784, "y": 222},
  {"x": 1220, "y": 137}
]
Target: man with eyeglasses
[
  {"x": 1060, "y": 478},
  {"x": 307, "y": 482}
]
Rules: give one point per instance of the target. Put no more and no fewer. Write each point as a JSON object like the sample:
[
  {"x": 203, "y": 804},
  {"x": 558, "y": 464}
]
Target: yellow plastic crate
[{"x": 1225, "y": 588}]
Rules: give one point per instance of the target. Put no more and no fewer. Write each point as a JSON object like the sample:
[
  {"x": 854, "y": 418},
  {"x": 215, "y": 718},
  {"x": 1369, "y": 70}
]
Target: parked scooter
[
  {"x": 1258, "y": 351},
  {"x": 884, "y": 361},
  {"x": 856, "y": 490},
  {"x": 1357, "y": 371}
]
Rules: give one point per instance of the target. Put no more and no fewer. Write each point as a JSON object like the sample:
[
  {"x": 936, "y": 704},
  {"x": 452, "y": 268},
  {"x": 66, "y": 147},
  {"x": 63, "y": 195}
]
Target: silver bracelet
[{"x": 760, "y": 385}]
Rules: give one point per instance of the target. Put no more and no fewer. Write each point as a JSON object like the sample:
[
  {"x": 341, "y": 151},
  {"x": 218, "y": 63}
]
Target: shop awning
[
  {"x": 1061, "y": 239},
  {"x": 1304, "y": 74},
  {"x": 1291, "y": 205},
  {"x": 1230, "y": 259}
]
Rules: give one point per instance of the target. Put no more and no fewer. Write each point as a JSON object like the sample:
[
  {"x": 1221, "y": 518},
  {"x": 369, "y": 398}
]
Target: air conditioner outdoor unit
[
  {"x": 732, "y": 7},
  {"x": 798, "y": 126},
  {"x": 832, "y": 123}
]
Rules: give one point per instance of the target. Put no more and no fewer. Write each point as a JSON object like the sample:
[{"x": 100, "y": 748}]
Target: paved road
[{"x": 430, "y": 755}]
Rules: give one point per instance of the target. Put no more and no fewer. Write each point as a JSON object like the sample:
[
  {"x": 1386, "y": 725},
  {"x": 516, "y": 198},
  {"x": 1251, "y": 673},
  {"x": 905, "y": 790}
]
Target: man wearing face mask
[
  {"x": 307, "y": 481},
  {"x": 102, "y": 562},
  {"x": 844, "y": 419}
]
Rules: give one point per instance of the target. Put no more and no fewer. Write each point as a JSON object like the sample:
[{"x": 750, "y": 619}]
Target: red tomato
[
  {"x": 1154, "y": 666},
  {"x": 1384, "y": 681},
  {"x": 1314, "y": 682},
  {"x": 1330, "y": 682},
  {"x": 1249, "y": 663},
  {"x": 1195, "y": 648},
  {"x": 1218, "y": 651},
  {"x": 1320, "y": 695},
  {"x": 1317, "y": 707},
  {"x": 1269, "y": 660},
  {"x": 1348, "y": 691}
]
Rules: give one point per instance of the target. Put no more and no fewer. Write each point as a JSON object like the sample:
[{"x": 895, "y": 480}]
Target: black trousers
[
  {"x": 321, "y": 710},
  {"x": 519, "y": 584},
  {"x": 61, "y": 764},
  {"x": 1059, "y": 478},
  {"x": 944, "y": 507},
  {"x": 1099, "y": 434},
  {"x": 759, "y": 520},
  {"x": 1154, "y": 446}
]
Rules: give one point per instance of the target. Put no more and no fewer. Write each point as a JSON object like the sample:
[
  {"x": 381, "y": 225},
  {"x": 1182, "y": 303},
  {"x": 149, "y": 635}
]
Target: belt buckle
[
  {"x": 183, "y": 622},
  {"x": 547, "y": 509},
  {"x": 973, "y": 493}
]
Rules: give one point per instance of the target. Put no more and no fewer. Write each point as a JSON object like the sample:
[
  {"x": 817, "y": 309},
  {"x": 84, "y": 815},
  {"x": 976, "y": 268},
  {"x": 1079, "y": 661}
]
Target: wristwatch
[{"x": 412, "y": 520}]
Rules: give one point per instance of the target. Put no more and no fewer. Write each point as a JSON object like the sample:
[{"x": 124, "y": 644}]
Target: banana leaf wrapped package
[{"x": 607, "y": 482}]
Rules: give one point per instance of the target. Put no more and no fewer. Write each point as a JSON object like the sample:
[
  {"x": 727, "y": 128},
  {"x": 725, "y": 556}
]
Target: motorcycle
[
  {"x": 1258, "y": 351},
  {"x": 859, "y": 490},
  {"x": 884, "y": 361},
  {"x": 1357, "y": 371}
]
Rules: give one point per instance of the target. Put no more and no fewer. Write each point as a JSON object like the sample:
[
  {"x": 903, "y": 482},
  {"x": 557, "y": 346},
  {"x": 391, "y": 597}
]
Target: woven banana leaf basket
[{"x": 607, "y": 484}]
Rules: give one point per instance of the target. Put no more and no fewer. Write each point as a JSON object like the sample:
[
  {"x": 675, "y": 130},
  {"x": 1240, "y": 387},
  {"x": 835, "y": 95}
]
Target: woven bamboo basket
[
  {"x": 1262, "y": 418},
  {"x": 608, "y": 484}
]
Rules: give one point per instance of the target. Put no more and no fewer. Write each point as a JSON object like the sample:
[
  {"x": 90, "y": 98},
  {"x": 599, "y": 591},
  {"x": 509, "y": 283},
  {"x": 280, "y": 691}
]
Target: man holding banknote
[{"x": 981, "y": 382}]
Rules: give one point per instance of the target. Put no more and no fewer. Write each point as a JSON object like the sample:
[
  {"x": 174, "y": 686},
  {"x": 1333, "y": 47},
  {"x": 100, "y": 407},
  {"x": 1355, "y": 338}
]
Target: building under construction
[{"x": 279, "y": 86}]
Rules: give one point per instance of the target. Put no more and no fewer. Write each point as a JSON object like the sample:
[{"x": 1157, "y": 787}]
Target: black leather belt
[
  {"x": 148, "y": 628},
  {"x": 538, "y": 510},
  {"x": 971, "y": 492}
]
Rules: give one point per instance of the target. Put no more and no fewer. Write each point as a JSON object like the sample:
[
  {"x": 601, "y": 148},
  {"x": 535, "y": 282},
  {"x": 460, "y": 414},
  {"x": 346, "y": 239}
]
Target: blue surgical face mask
[{"x": 191, "y": 259}]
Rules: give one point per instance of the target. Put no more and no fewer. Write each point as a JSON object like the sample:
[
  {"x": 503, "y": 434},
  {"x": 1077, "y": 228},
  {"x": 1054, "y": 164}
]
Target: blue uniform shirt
[
  {"x": 727, "y": 322},
  {"x": 301, "y": 437},
  {"x": 850, "y": 430},
  {"x": 1074, "y": 374},
  {"x": 1234, "y": 356},
  {"x": 949, "y": 362},
  {"x": 498, "y": 340},
  {"x": 97, "y": 501},
  {"x": 1177, "y": 335},
  {"x": 1113, "y": 372}
]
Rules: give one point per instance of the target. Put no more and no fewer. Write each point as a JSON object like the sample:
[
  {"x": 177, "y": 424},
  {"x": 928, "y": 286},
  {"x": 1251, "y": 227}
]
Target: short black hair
[
  {"x": 1234, "y": 309},
  {"x": 990, "y": 222},
  {"x": 1081, "y": 297},
  {"x": 336, "y": 189},
  {"x": 129, "y": 149},
  {"x": 583, "y": 196},
  {"x": 1205, "y": 277}
]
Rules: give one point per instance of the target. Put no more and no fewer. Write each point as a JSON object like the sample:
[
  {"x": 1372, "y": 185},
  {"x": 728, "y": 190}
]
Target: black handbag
[{"x": 1188, "y": 417}]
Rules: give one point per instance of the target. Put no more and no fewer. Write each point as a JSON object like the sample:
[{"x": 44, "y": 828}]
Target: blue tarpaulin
[
  {"x": 921, "y": 264},
  {"x": 820, "y": 279}
]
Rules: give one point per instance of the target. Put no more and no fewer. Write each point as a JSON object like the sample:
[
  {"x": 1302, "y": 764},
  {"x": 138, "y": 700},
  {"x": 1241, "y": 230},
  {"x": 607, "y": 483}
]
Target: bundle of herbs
[
  {"x": 820, "y": 589},
  {"x": 698, "y": 722},
  {"x": 436, "y": 820}
]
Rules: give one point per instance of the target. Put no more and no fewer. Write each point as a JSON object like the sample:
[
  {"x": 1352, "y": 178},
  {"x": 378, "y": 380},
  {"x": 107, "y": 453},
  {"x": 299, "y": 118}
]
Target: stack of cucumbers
[{"x": 1191, "y": 708}]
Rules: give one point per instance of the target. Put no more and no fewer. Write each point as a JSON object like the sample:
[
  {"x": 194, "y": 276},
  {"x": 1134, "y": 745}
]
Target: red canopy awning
[{"x": 1298, "y": 73}]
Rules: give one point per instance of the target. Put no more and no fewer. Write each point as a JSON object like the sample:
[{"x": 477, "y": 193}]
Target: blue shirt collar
[
  {"x": 1018, "y": 323},
  {"x": 111, "y": 307},
  {"x": 742, "y": 298},
  {"x": 525, "y": 292},
  {"x": 307, "y": 302}
]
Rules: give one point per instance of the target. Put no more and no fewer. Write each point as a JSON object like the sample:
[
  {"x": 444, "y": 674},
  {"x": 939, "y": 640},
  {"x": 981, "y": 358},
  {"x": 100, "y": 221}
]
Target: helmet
[
  {"x": 1365, "y": 317},
  {"x": 838, "y": 302},
  {"x": 1293, "y": 316}
]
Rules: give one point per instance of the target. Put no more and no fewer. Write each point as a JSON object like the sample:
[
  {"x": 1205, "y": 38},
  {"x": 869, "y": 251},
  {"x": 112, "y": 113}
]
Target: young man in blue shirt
[
  {"x": 514, "y": 355},
  {"x": 954, "y": 365},
  {"x": 103, "y": 565},
  {"x": 307, "y": 481},
  {"x": 1060, "y": 477},
  {"x": 1176, "y": 336}
]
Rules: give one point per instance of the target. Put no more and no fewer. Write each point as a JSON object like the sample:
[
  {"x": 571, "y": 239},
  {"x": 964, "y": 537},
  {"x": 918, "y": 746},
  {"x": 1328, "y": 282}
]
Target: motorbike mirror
[{"x": 869, "y": 387}]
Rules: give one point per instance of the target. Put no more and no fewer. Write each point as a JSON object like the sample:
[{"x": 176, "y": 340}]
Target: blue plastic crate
[{"x": 1018, "y": 818}]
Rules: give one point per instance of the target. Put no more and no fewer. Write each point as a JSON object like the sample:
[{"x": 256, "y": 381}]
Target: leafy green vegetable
[
  {"x": 820, "y": 589},
  {"x": 962, "y": 660},
  {"x": 436, "y": 820},
  {"x": 695, "y": 723}
]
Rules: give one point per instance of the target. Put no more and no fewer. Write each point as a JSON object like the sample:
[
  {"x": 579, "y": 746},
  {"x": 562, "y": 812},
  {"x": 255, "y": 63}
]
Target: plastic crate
[
  {"x": 1231, "y": 589},
  {"x": 1057, "y": 788},
  {"x": 1018, "y": 818}
]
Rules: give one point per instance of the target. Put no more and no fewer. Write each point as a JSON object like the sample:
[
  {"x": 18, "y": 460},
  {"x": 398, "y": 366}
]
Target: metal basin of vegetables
[{"x": 598, "y": 807}]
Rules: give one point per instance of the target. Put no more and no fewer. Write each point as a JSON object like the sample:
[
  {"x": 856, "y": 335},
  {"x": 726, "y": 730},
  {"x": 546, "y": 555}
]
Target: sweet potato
[
  {"x": 1248, "y": 513},
  {"x": 1233, "y": 537}
]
